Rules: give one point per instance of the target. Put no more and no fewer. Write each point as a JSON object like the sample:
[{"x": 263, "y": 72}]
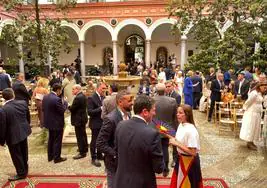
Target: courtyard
[{"x": 222, "y": 156}]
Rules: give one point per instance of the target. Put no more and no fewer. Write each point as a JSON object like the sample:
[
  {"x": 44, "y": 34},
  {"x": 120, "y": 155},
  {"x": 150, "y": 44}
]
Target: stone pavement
[{"x": 221, "y": 157}]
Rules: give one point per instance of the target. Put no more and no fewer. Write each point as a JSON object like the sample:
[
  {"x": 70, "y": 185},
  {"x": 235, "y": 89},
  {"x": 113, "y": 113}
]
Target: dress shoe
[
  {"x": 79, "y": 156},
  {"x": 96, "y": 163},
  {"x": 101, "y": 157},
  {"x": 61, "y": 159},
  {"x": 16, "y": 177},
  {"x": 209, "y": 119}
]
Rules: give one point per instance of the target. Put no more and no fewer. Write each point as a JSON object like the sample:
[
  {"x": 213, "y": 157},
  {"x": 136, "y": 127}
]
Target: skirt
[{"x": 187, "y": 173}]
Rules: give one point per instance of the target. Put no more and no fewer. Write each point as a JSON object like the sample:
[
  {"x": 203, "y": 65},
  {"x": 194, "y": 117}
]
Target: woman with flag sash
[{"x": 187, "y": 171}]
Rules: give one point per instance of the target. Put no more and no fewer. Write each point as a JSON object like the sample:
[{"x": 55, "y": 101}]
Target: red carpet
[{"x": 92, "y": 181}]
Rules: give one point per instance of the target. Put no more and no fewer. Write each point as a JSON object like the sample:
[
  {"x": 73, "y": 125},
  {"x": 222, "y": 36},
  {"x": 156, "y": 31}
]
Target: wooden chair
[
  {"x": 220, "y": 105},
  {"x": 237, "y": 108},
  {"x": 226, "y": 120}
]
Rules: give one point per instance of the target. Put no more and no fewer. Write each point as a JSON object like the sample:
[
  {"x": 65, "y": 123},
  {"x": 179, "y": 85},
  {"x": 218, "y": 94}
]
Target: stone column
[
  {"x": 82, "y": 53},
  {"x": 21, "y": 63},
  {"x": 256, "y": 50},
  {"x": 148, "y": 51},
  {"x": 49, "y": 63},
  {"x": 115, "y": 57},
  {"x": 183, "y": 51}
]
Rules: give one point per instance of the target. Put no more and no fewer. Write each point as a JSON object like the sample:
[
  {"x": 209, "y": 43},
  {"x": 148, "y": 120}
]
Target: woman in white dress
[
  {"x": 67, "y": 85},
  {"x": 205, "y": 99},
  {"x": 161, "y": 76},
  {"x": 251, "y": 122},
  {"x": 187, "y": 171},
  {"x": 179, "y": 79}
]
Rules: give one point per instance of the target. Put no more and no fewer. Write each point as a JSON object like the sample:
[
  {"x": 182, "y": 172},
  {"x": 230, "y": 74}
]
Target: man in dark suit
[
  {"x": 242, "y": 86},
  {"x": 197, "y": 89},
  {"x": 95, "y": 123},
  {"x": 15, "y": 131},
  {"x": 211, "y": 76},
  {"x": 79, "y": 119},
  {"x": 105, "y": 139},
  {"x": 2, "y": 127},
  {"x": 172, "y": 93},
  {"x": 216, "y": 92},
  {"x": 54, "y": 108},
  {"x": 20, "y": 90},
  {"x": 165, "y": 112},
  {"x": 138, "y": 148},
  {"x": 4, "y": 80}
]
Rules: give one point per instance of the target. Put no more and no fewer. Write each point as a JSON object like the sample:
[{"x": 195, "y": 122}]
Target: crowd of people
[{"x": 124, "y": 128}]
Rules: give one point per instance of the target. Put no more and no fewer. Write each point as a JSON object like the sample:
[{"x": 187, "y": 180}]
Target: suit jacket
[
  {"x": 177, "y": 97},
  {"x": 210, "y": 77},
  {"x": 20, "y": 91},
  {"x": 197, "y": 81},
  {"x": 215, "y": 90},
  {"x": 244, "y": 89},
  {"x": 17, "y": 121},
  {"x": 94, "y": 111},
  {"x": 78, "y": 110},
  {"x": 188, "y": 86},
  {"x": 4, "y": 82},
  {"x": 166, "y": 108},
  {"x": 109, "y": 104},
  {"x": 77, "y": 77},
  {"x": 2, "y": 127},
  {"x": 53, "y": 108},
  {"x": 139, "y": 154},
  {"x": 105, "y": 139}
]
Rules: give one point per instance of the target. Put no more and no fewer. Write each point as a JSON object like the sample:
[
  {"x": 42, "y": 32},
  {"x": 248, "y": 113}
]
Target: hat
[{"x": 160, "y": 87}]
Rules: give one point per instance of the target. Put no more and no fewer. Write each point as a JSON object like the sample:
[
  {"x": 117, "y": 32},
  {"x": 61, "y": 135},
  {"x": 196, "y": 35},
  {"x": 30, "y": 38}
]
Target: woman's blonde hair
[{"x": 43, "y": 82}]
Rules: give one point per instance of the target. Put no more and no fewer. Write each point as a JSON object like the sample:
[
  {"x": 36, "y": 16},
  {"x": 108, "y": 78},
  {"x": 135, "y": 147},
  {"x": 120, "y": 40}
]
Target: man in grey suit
[
  {"x": 109, "y": 103},
  {"x": 105, "y": 139},
  {"x": 165, "y": 112}
]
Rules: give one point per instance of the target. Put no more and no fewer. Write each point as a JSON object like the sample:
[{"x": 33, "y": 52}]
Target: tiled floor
[{"x": 221, "y": 157}]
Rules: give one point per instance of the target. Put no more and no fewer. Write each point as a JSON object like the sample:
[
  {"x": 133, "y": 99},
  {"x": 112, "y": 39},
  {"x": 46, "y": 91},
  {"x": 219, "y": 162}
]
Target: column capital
[
  {"x": 81, "y": 41},
  {"x": 114, "y": 41},
  {"x": 183, "y": 37},
  {"x": 148, "y": 41}
]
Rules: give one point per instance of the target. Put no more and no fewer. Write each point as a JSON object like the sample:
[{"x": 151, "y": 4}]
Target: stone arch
[
  {"x": 159, "y": 22},
  {"x": 130, "y": 22},
  {"x": 4, "y": 23},
  {"x": 94, "y": 23},
  {"x": 72, "y": 26}
]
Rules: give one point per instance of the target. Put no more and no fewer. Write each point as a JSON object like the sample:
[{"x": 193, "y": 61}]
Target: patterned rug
[{"x": 89, "y": 181}]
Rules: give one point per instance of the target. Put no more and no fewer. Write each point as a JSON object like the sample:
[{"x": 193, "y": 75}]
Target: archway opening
[
  {"x": 134, "y": 49},
  {"x": 107, "y": 60},
  {"x": 162, "y": 57}
]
